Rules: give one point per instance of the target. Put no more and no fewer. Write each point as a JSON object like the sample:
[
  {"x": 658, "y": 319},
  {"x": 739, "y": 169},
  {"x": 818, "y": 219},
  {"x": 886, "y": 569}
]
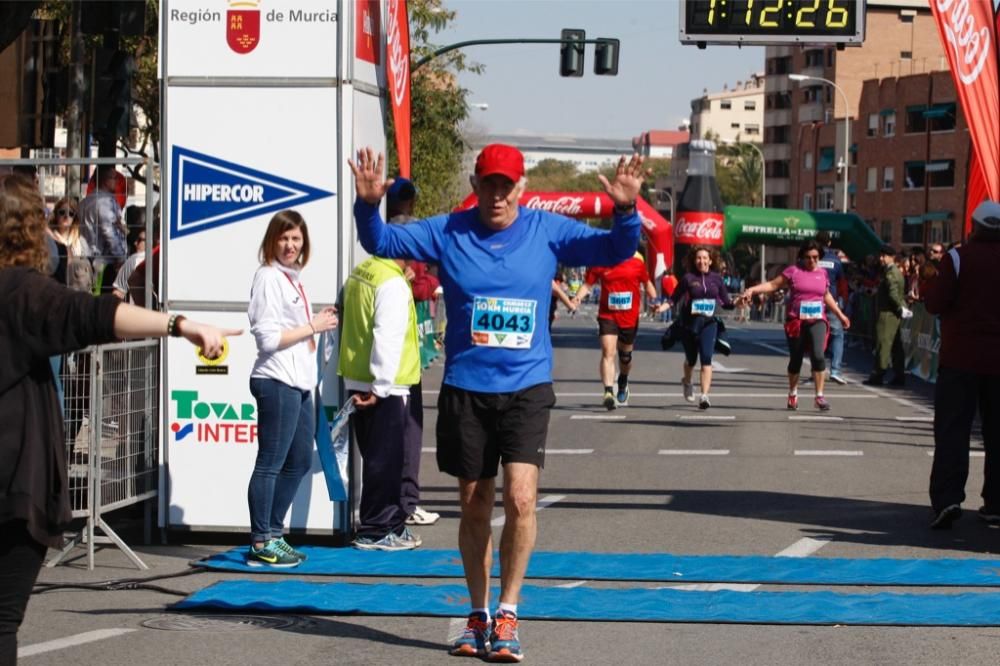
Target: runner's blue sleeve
[
  {"x": 577, "y": 244},
  {"x": 418, "y": 240}
]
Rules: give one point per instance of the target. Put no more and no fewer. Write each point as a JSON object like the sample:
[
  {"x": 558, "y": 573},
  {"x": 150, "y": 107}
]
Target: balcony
[
  {"x": 811, "y": 113},
  {"x": 778, "y": 186},
  {"x": 816, "y": 71},
  {"x": 777, "y": 117},
  {"x": 777, "y": 83},
  {"x": 777, "y": 151}
]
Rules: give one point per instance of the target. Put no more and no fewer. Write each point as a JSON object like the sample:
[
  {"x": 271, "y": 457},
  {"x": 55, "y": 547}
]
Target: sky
[{"x": 657, "y": 75}]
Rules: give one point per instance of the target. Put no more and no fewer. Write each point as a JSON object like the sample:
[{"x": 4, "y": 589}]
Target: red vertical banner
[
  {"x": 968, "y": 33},
  {"x": 367, "y": 29},
  {"x": 397, "y": 47}
]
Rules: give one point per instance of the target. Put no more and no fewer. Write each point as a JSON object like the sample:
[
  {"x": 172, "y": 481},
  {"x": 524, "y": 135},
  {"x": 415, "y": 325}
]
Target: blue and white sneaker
[
  {"x": 504, "y": 644},
  {"x": 270, "y": 555},
  {"x": 474, "y": 641},
  {"x": 389, "y": 542},
  {"x": 622, "y": 396}
]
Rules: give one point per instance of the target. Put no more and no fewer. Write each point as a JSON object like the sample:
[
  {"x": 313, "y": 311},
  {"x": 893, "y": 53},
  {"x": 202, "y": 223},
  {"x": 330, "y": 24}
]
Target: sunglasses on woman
[{"x": 66, "y": 212}]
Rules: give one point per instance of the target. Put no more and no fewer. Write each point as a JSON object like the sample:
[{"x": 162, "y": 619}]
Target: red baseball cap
[{"x": 499, "y": 158}]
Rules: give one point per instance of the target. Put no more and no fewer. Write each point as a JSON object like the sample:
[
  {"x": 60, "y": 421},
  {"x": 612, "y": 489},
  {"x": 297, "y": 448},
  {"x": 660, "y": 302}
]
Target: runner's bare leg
[
  {"x": 475, "y": 537},
  {"x": 520, "y": 494}
]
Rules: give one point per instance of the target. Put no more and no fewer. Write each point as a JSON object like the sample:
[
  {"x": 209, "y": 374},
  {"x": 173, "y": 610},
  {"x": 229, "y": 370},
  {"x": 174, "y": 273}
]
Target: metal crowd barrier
[{"x": 111, "y": 411}]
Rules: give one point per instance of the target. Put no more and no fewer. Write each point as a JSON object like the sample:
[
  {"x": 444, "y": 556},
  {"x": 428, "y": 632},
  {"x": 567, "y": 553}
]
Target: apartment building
[
  {"x": 735, "y": 114},
  {"x": 912, "y": 158},
  {"x": 804, "y": 128}
]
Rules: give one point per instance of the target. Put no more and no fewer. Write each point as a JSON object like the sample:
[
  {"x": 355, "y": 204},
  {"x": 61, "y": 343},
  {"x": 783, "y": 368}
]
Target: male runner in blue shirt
[{"x": 496, "y": 263}]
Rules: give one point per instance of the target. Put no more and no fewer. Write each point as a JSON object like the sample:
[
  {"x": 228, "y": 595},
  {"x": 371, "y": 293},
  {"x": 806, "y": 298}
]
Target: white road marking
[
  {"x": 548, "y": 500},
  {"x": 972, "y": 454},
  {"x": 428, "y": 449},
  {"x": 801, "y": 548},
  {"x": 765, "y": 345},
  {"x": 693, "y": 452},
  {"x": 917, "y": 419},
  {"x": 708, "y": 417},
  {"x": 456, "y": 626},
  {"x": 899, "y": 401},
  {"x": 569, "y": 452},
  {"x": 678, "y": 394},
  {"x": 827, "y": 452},
  {"x": 597, "y": 417},
  {"x": 815, "y": 418},
  {"x": 70, "y": 641},
  {"x": 572, "y": 584},
  {"x": 721, "y": 368}
]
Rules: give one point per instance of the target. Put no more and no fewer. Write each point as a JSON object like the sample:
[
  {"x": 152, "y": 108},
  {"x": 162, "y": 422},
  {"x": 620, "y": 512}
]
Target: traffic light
[
  {"x": 112, "y": 92},
  {"x": 606, "y": 56},
  {"x": 571, "y": 52}
]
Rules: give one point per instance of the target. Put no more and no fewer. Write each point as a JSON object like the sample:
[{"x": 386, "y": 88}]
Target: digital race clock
[{"x": 773, "y": 22}]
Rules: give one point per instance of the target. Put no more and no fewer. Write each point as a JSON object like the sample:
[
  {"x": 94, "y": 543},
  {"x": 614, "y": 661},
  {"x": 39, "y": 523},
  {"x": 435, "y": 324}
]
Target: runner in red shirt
[{"x": 618, "y": 319}]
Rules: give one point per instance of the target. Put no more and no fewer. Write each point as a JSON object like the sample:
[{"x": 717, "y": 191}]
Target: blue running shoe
[
  {"x": 623, "y": 396},
  {"x": 474, "y": 641},
  {"x": 287, "y": 547},
  {"x": 270, "y": 555},
  {"x": 504, "y": 645}
]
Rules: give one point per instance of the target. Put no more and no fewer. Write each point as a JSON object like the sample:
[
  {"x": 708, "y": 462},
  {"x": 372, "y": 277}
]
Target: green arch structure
[{"x": 779, "y": 226}]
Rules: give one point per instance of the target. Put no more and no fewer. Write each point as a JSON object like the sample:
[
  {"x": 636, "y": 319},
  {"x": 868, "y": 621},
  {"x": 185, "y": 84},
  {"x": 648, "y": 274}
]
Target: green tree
[{"x": 438, "y": 108}]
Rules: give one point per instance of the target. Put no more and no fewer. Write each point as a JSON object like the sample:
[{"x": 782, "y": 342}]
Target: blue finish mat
[
  {"x": 651, "y": 567},
  {"x": 628, "y": 605}
]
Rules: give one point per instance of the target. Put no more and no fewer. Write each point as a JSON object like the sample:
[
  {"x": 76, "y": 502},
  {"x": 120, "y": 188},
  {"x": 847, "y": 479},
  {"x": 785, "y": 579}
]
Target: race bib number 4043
[{"x": 503, "y": 322}]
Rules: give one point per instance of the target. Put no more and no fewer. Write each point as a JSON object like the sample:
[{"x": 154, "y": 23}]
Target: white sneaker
[
  {"x": 838, "y": 378},
  {"x": 421, "y": 517},
  {"x": 688, "y": 390}
]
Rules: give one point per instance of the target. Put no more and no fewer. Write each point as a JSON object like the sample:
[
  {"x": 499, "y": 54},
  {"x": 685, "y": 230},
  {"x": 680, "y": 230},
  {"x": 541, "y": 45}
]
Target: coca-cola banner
[
  {"x": 968, "y": 34},
  {"x": 397, "y": 47},
  {"x": 694, "y": 228}
]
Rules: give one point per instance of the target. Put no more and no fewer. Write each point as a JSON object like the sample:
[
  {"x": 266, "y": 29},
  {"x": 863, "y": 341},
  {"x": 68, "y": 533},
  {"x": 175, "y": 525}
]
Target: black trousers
[
  {"x": 20, "y": 561},
  {"x": 389, "y": 439},
  {"x": 957, "y": 395}
]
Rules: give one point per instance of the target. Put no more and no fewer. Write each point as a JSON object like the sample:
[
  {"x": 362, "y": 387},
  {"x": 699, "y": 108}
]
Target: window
[
  {"x": 824, "y": 198},
  {"x": 913, "y": 229},
  {"x": 752, "y": 128},
  {"x": 779, "y": 100},
  {"x": 812, "y": 94},
  {"x": 814, "y": 58},
  {"x": 872, "y": 182},
  {"x": 808, "y": 161},
  {"x": 734, "y": 125},
  {"x": 913, "y": 175},
  {"x": 726, "y": 104},
  {"x": 886, "y": 234},
  {"x": 807, "y": 201},
  {"x": 889, "y": 123},
  {"x": 906, "y": 55},
  {"x": 872, "y": 124},
  {"x": 940, "y": 173},
  {"x": 888, "y": 179},
  {"x": 940, "y": 117},
  {"x": 779, "y": 133},
  {"x": 915, "y": 121},
  {"x": 940, "y": 232},
  {"x": 827, "y": 159},
  {"x": 750, "y": 105},
  {"x": 777, "y": 169},
  {"x": 906, "y": 16}
]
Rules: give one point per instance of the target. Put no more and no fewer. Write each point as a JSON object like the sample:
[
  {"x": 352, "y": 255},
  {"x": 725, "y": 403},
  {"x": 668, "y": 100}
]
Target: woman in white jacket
[{"x": 282, "y": 381}]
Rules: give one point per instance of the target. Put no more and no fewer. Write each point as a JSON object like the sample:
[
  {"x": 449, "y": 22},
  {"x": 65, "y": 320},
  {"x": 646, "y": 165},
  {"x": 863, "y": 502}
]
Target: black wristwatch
[{"x": 625, "y": 210}]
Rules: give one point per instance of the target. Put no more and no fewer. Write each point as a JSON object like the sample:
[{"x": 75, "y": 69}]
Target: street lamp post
[{"x": 847, "y": 127}]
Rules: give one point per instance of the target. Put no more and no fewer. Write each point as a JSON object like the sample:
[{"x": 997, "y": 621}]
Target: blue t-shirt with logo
[
  {"x": 834, "y": 269},
  {"x": 497, "y": 284}
]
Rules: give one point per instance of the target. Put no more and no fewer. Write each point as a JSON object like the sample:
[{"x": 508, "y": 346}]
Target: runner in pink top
[{"x": 806, "y": 326}]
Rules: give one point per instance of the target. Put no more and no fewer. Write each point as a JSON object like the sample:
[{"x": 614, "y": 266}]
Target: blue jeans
[
  {"x": 836, "y": 344},
  {"x": 286, "y": 428}
]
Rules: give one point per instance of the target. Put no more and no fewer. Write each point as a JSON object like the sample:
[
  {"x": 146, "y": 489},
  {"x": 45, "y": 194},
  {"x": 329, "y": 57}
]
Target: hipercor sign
[{"x": 210, "y": 192}]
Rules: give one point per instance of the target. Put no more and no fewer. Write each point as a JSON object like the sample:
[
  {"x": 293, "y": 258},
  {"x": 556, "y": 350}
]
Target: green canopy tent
[{"x": 778, "y": 226}]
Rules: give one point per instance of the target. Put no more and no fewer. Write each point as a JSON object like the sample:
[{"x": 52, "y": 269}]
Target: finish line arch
[
  {"x": 658, "y": 231},
  {"x": 779, "y": 226}
]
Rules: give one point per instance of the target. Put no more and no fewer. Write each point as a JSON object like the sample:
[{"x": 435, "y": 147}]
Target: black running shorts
[
  {"x": 626, "y": 336},
  {"x": 476, "y": 432}
]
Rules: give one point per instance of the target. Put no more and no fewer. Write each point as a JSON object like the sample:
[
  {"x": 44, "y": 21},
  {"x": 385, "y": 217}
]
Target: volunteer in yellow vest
[{"x": 380, "y": 364}]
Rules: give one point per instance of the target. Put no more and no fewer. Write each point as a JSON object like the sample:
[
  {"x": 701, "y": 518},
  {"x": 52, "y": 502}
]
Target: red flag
[
  {"x": 968, "y": 33},
  {"x": 397, "y": 46},
  {"x": 975, "y": 193}
]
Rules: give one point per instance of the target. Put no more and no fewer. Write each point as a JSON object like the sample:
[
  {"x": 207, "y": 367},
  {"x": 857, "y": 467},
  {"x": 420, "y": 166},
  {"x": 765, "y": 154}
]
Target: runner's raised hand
[
  {"x": 624, "y": 189},
  {"x": 369, "y": 182}
]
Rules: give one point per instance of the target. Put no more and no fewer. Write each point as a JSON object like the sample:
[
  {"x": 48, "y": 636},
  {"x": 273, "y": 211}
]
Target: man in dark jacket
[
  {"x": 892, "y": 309},
  {"x": 963, "y": 293}
]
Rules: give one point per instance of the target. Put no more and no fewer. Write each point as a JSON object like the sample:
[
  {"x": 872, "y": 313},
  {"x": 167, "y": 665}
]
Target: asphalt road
[{"x": 657, "y": 476}]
